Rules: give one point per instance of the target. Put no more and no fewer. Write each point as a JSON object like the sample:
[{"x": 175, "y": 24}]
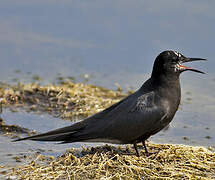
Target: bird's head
[{"x": 170, "y": 62}]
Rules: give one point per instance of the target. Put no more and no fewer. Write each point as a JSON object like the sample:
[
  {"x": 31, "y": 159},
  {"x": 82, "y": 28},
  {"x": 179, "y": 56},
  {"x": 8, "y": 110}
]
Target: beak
[{"x": 189, "y": 60}]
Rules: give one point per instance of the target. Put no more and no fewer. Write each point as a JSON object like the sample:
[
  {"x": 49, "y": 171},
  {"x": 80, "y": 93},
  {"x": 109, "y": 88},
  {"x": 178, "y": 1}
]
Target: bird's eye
[
  {"x": 176, "y": 59},
  {"x": 177, "y": 54}
]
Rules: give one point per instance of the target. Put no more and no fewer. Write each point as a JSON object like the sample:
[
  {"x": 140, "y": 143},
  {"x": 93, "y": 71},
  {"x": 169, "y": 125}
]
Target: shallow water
[
  {"x": 39, "y": 123},
  {"x": 103, "y": 43}
]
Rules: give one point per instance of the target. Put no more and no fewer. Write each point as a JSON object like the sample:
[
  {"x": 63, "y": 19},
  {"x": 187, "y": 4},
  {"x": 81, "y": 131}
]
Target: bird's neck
[
  {"x": 167, "y": 86},
  {"x": 168, "y": 81}
]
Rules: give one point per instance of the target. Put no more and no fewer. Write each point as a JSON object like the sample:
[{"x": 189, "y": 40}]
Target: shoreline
[{"x": 77, "y": 100}]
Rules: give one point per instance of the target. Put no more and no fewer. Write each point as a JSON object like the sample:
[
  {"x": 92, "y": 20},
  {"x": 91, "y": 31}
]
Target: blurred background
[
  {"x": 105, "y": 42},
  {"x": 105, "y": 39}
]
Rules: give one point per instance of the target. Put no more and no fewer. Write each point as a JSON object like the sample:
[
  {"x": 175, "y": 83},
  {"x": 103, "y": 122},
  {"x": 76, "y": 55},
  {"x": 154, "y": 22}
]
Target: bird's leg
[
  {"x": 143, "y": 142},
  {"x": 135, "y": 147}
]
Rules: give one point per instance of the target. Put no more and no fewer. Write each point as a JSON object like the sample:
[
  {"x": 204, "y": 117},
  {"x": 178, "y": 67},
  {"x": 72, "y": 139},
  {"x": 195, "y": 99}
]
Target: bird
[{"x": 138, "y": 116}]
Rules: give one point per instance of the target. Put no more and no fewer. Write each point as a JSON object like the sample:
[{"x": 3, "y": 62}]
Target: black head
[{"x": 170, "y": 63}]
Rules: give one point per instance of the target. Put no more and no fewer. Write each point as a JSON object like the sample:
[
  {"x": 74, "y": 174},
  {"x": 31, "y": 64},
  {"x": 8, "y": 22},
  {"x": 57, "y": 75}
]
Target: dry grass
[
  {"x": 68, "y": 100},
  {"x": 108, "y": 162}
]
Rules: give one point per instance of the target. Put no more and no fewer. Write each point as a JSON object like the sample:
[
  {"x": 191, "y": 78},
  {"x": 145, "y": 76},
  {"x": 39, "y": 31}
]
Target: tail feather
[{"x": 60, "y": 134}]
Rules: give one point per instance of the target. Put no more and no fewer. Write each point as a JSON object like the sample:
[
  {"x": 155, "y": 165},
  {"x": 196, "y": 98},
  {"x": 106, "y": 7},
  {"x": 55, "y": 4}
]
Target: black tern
[{"x": 135, "y": 118}]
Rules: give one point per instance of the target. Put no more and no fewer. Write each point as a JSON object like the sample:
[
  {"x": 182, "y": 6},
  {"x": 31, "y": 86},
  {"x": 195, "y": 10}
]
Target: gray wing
[
  {"x": 80, "y": 131},
  {"x": 123, "y": 122},
  {"x": 126, "y": 121}
]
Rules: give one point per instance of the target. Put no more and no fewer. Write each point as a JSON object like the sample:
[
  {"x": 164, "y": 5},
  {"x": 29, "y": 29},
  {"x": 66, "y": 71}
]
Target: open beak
[{"x": 189, "y": 68}]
